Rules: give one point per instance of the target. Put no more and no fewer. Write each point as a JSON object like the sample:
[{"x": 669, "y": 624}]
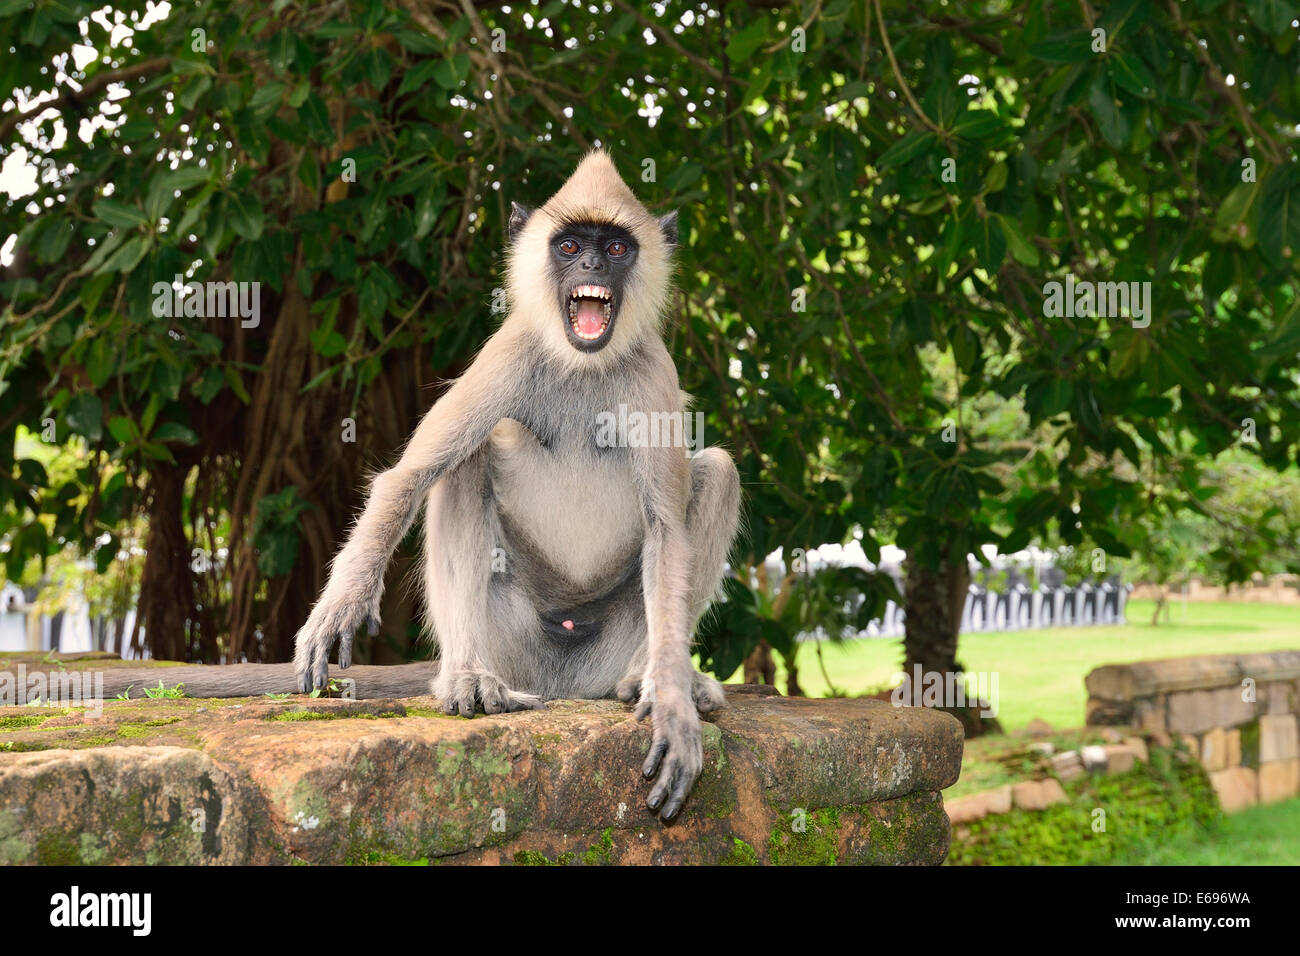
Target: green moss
[
  {"x": 23, "y": 721},
  {"x": 20, "y": 747},
  {"x": 297, "y": 715},
  {"x": 57, "y": 849},
  {"x": 533, "y": 858},
  {"x": 742, "y": 854},
  {"x": 142, "y": 729},
  {"x": 1250, "y": 744},
  {"x": 597, "y": 854},
  {"x": 815, "y": 843},
  {"x": 602, "y": 852},
  {"x": 1155, "y": 803},
  {"x": 13, "y": 848},
  {"x": 385, "y": 858},
  {"x": 884, "y": 836},
  {"x": 425, "y": 712},
  {"x": 92, "y": 851}
]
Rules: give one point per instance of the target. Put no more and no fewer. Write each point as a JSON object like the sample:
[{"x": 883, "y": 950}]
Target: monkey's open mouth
[{"x": 590, "y": 309}]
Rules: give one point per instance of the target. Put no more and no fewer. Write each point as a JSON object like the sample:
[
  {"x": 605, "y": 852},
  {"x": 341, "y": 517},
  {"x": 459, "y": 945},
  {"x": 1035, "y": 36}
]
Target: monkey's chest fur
[{"x": 571, "y": 522}]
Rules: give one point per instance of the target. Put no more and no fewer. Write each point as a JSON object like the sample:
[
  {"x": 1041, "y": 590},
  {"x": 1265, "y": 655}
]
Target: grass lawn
[
  {"x": 1266, "y": 836},
  {"x": 1040, "y": 673}
]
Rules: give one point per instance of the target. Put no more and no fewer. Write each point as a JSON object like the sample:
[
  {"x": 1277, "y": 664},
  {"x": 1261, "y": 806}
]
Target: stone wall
[
  {"x": 1240, "y": 713},
  {"x": 1262, "y": 589},
  {"x": 269, "y": 780}
]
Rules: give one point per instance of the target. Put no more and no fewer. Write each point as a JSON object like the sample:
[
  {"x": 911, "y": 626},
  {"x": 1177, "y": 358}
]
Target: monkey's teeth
[{"x": 591, "y": 292}]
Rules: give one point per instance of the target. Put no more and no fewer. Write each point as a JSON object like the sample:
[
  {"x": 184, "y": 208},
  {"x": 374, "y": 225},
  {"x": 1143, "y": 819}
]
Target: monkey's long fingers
[
  {"x": 345, "y": 650},
  {"x": 320, "y": 665},
  {"x": 658, "y": 747},
  {"x": 682, "y": 781},
  {"x": 664, "y": 784}
]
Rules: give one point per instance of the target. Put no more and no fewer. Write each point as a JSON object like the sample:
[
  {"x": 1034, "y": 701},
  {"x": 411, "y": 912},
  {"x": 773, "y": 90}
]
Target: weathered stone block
[
  {"x": 1236, "y": 787},
  {"x": 1139, "y": 748},
  {"x": 1214, "y": 750},
  {"x": 1094, "y": 758},
  {"x": 1279, "y": 780},
  {"x": 1278, "y": 697},
  {"x": 1161, "y": 738},
  {"x": 334, "y": 781},
  {"x": 976, "y": 806},
  {"x": 1196, "y": 711},
  {"x": 1232, "y": 743},
  {"x": 1120, "y": 758},
  {"x": 1037, "y": 794},
  {"x": 1067, "y": 765},
  {"x": 1279, "y": 738},
  {"x": 1149, "y": 713}
]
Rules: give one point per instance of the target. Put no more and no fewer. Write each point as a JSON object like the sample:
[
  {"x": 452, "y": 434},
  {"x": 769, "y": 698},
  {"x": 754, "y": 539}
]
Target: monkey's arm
[
  {"x": 676, "y": 751},
  {"x": 457, "y": 425}
]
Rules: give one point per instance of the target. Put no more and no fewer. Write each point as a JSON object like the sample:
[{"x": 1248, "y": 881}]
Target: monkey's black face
[{"x": 590, "y": 265}]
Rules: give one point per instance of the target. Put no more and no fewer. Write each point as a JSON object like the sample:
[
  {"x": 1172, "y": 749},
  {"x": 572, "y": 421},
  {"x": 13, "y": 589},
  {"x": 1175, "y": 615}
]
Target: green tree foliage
[{"x": 864, "y": 189}]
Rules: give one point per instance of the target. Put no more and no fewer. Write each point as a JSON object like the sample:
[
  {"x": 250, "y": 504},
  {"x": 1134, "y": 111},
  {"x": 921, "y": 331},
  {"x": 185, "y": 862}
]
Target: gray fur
[{"x": 530, "y": 522}]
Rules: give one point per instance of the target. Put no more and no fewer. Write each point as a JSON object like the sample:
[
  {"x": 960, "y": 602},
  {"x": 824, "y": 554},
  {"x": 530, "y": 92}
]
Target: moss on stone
[
  {"x": 386, "y": 858},
  {"x": 883, "y": 835},
  {"x": 23, "y": 721},
  {"x": 13, "y": 848},
  {"x": 92, "y": 851},
  {"x": 57, "y": 849},
  {"x": 1250, "y": 744},
  {"x": 742, "y": 854},
  {"x": 533, "y": 858},
  {"x": 815, "y": 843},
  {"x": 602, "y": 852},
  {"x": 304, "y": 714},
  {"x": 426, "y": 712},
  {"x": 144, "y": 728},
  {"x": 20, "y": 746}
]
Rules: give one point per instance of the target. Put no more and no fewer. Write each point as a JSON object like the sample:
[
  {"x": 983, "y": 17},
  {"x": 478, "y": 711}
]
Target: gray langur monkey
[{"x": 558, "y": 563}]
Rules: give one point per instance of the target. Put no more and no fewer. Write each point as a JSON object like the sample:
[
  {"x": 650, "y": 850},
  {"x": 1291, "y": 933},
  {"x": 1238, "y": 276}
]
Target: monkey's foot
[
  {"x": 705, "y": 691},
  {"x": 462, "y": 692}
]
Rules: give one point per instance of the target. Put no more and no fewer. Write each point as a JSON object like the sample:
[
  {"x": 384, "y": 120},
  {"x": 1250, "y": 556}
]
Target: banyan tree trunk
[{"x": 934, "y": 601}]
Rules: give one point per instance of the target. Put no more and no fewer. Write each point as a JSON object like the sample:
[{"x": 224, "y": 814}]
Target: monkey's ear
[
  {"x": 518, "y": 219},
  {"x": 668, "y": 226}
]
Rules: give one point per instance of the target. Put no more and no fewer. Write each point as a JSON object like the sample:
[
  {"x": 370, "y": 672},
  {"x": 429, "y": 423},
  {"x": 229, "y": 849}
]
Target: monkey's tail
[{"x": 254, "y": 680}]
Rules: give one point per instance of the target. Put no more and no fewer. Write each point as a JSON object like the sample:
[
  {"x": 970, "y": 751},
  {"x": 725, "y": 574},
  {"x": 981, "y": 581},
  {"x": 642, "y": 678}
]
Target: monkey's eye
[
  {"x": 569, "y": 247},
  {"x": 617, "y": 248}
]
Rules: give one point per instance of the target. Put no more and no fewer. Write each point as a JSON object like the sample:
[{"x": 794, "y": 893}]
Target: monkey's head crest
[{"x": 589, "y": 270}]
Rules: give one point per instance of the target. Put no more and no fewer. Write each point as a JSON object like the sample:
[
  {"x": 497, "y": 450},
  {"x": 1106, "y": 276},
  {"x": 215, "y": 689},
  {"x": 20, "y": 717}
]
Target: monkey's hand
[
  {"x": 334, "y": 618},
  {"x": 676, "y": 749}
]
